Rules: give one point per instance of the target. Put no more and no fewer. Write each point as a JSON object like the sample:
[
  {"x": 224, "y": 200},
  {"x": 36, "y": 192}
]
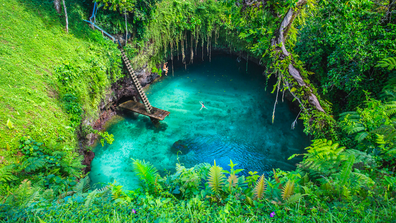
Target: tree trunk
[
  {"x": 280, "y": 40},
  {"x": 67, "y": 20},
  {"x": 126, "y": 29},
  {"x": 191, "y": 49},
  {"x": 182, "y": 51},
  {"x": 202, "y": 44},
  {"x": 57, "y": 6}
]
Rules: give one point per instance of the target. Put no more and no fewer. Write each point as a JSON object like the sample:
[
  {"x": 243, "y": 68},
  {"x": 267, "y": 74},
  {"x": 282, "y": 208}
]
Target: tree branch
[{"x": 280, "y": 41}]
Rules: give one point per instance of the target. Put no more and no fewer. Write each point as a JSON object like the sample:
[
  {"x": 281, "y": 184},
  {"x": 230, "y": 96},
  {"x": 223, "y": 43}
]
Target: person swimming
[{"x": 203, "y": 106}]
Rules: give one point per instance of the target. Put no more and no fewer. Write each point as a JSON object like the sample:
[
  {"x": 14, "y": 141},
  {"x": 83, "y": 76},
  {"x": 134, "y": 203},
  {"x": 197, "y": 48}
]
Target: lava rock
[
  {"x": 180, "y": 147},
  {"x": 88, "y": 157}
]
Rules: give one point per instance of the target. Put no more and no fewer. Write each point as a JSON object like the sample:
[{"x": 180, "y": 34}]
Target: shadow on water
[{"x": 236, "y": 125}]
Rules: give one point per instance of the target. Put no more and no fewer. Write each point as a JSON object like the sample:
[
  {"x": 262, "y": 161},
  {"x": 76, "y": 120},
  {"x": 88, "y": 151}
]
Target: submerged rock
[{"x": 180, "y": 147}]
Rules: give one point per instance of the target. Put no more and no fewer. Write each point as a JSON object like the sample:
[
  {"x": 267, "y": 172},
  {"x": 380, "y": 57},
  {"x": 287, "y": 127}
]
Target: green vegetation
[
  {"x": 52, "y": 82},
  {"x": 291, "y": 196}
]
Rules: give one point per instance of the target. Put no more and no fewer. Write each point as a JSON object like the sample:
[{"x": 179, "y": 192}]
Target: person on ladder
[{"x": 165, "y": 68}]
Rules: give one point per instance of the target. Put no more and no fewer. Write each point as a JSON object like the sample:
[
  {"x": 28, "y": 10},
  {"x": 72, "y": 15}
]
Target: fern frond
[
  {"x": 363, "y": 179},
  {"x": 259, "y": 188},
  {"x": 276, "y": 176},
  {"x": 354, "y": 129},
  {"x": 232, "y": 181},
  {"x": 33, "y": 164},
  {"x": 33, "y": 197},
  {"x": 390, "y": 108},
  {"x": 82, "y": 186},
  {"x": 351, "y": 116},
  {"x": 346, "y": 192},
  {"x": 90, "y": 198},
  {"x": 146, "y": 172},
  {"x": 361, "y": 136},
  {"x": 391, "y": 151},
  {"x": 216, "y": 178},
  {"x": 389, "y": 63},
  {"x": 347, "y": 169},
  {"x": 288, "y": 190},
  {"x": 294, "y": 198},
  {"x": 6, "y": 174}
]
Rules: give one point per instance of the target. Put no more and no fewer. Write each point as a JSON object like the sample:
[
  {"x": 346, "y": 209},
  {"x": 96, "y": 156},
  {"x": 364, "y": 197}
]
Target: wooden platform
[{"x": 139, "y": 108}]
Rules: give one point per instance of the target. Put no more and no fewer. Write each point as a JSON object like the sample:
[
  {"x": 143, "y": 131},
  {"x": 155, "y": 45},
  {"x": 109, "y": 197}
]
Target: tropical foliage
[{"x": 52, "y": 85}]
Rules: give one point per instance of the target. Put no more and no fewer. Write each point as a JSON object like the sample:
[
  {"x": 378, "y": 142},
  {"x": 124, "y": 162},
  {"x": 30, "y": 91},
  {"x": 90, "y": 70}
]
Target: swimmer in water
[{"x": 203, "y": 106}]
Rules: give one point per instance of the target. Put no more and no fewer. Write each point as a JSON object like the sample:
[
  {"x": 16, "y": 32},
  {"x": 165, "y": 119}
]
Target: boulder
[{"x": 180, "y": 147}]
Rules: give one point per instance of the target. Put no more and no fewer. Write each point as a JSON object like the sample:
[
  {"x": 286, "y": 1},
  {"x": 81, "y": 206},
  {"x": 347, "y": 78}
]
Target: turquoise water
[{"x": 236, "y": 125}]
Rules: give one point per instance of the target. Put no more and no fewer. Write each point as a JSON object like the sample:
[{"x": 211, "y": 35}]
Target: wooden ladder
[{"x": 136, "y": 82}]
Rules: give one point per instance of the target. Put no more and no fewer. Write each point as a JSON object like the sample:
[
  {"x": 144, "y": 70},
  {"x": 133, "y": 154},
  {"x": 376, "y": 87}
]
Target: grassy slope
[{"x": 33, "y": 43}]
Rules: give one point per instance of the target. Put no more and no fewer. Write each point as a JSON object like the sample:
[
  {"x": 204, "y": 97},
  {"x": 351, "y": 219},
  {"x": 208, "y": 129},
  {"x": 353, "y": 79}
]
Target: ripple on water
[{"x": 236, "y": 125}]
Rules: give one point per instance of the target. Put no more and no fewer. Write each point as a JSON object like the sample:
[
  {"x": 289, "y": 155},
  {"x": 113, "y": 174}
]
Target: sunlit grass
[{"x": 33, "y": 43}]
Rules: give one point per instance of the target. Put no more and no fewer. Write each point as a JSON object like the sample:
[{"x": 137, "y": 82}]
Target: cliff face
[{"x": 120, "y": 91}]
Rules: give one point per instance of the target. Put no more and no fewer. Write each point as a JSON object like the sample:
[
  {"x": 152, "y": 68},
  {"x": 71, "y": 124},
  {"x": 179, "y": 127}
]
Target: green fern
[
  {"x": 346, "y": 170},
  {"x": 6, "y": 174},
  {"x": 34, "y": 196},
  {"x": 390, "y": 108},
  {"x": 259, "y": 188},
  {"x": 90, "y": 198},
  {"x": 32, "y": 164},
  {"x": 363, "y": 180},
  {"x": 323, "y": 149},
  {"x": 216, "y": 178},
  {"x": 288, "y": 190},
  {"x": 82, "y": 186},
  {"x": 389, "y": 90},
  {"x": 147, "y": 174},
  {"x": 232, "y": 181},
  {"x": 389, "y": 63},
  {"x": 361, "y": 136},
  {"x": 323, "y": 158},
  {"x": 362, "y": 159},
  {"x": 294, "y": 198}
]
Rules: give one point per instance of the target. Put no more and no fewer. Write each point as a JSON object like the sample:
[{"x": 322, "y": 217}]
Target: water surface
[{"x": 236, "y": 125}]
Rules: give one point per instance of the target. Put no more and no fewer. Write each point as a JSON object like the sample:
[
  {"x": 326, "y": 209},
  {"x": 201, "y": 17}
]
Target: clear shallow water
[{"x": 236, "y": 125}]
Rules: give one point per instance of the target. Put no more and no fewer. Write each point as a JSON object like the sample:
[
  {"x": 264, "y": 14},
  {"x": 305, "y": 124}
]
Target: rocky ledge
[{"x": 120, "y": 91}]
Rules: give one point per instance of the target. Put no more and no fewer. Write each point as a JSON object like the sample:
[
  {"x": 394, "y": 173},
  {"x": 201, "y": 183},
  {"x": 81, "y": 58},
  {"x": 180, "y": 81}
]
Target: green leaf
[
  {"x": 216, "y": 178},
  {"x": 361, "y": 136},
  {"x": 9, "y": 124}
]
